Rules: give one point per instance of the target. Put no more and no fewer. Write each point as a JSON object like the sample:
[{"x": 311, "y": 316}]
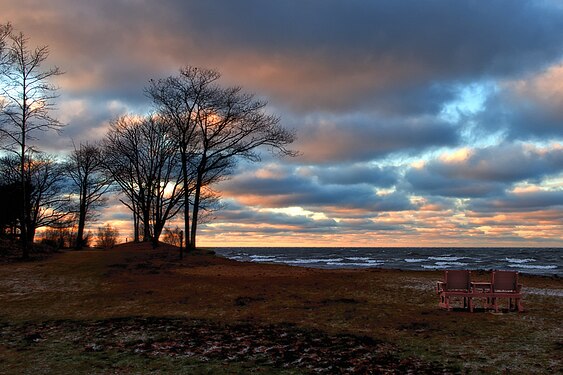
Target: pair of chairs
[{"x": 458, "y": 284}]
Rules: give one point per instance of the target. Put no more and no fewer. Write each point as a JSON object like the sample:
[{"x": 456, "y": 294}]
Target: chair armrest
[{"x": 440, "y": 286}]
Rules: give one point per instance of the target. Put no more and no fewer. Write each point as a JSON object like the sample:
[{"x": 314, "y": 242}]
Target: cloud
[
  {"x": 352, "y": 174},
  {"x": 317, "y": 54},
  {"x": 528, "y": 108},
  {"x": 363, "y": 138},
  {"x": 291, "y": 189},
  {"x": 486, "y": 171},
  {"x": 369, "y": 87},
  {"x": 521, "y": 202}
]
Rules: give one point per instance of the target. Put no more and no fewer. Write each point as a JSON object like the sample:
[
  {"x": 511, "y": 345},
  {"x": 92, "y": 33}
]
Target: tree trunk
[
  {"x": 80, "y": 231},
  {"x": 135, "y": 222},
  {"x": 157, "y": 232},
  {"x": 195, "y": 212},
  {"x": 146, "y": 226},
  {"x": 81, "y": 220},
  {"x": 186, "y": 202},
  {"x": 24, "y": 217}
]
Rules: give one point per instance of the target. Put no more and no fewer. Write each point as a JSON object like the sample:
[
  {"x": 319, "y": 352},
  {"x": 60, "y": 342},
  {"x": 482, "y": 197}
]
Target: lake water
[{"x": 538, "y": 261}]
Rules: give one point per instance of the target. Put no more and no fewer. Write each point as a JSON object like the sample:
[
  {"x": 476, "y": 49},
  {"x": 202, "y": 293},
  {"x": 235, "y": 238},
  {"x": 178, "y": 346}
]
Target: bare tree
[
  {"x": 141, "y": 157},
  {"x": 215, "y": 127},
  {"x": 179, "y": 100},
  {"x": 46, "y": 201},
  {"x": 89, "y": 182},
  {"x": 29, "y": 99},
  {"x": 5, "y": 31}
]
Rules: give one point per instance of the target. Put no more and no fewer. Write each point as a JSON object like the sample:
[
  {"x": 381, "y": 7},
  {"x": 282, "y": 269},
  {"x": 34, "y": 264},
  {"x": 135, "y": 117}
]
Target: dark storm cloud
[
  {"x": 361, "y": 138},
  {"x": 432, "y": 182},
  {"x": 485, "y": 172},
  {"x": 294, "y": 190},
  {"x": 310, "y": 54},
  {"x": 233, "y": 213},
  {"x": 520, "y": 202},
  {"x": 353, "y": 174},
  {"x": 446, "y": 36},
  {"x": 281, "y": 222},
  {"x": 378, "y": 45},
  {"x": 530, "y": 108}
]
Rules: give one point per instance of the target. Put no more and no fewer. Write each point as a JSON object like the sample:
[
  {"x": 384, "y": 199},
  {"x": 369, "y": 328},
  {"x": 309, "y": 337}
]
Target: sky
[{"x": 418, "y": 123}]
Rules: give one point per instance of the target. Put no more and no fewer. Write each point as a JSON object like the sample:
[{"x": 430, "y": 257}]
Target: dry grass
[{"x": 396, "y": 307}]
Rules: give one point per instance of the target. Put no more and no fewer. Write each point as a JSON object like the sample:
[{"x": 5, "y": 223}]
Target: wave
[
  {"x": 450, "y": 264},
  {"x": 519, "y": 261},
  {"x": 540, "y": 261},
  {"x": 358, "y": 258},
  {"x": 434, "y": 266},
  {"x": 308, "y": 261},
  {"x": 447, "y": 258},
  {"x": 344, "y": 264},
  {"x": 263, "y": 258},
  {"x": 532, "y": 267}
]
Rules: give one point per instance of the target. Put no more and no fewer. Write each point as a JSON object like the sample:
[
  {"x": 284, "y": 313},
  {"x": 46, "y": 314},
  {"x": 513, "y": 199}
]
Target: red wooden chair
[
  {"x": 457, "y": 283},
  {"x": 504, "y": 284}
]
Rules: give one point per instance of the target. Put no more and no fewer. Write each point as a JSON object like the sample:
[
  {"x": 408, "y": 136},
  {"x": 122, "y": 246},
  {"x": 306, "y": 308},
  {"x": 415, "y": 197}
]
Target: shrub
[
  {"x": 107, "y": 236},
  {"x": 58, "y": 237},
  {"x": 173, "y": 236}
]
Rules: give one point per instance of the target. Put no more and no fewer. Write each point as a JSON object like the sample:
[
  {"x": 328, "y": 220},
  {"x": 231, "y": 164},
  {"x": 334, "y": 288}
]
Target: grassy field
[{"x": 136, "y": 310}]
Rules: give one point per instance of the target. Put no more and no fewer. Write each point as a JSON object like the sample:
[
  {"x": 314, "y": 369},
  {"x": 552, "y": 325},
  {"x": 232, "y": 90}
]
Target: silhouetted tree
[
  {"x": 5, "y": 31},
  {"x": 214, "y": 127},
  {"x": 141, "y": 157},
  {"x": 46, "y": 201},
  {"x": 10, "y": 213},
  {"x": 107, "y": 236},
  {"x": 89, "y": 182},
  {"x": 179, "y": 100},
  {"x": 28, "y": 101}
]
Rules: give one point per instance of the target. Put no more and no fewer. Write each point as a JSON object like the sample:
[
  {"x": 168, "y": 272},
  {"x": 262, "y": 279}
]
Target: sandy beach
[{"x": 132, "y": 309}]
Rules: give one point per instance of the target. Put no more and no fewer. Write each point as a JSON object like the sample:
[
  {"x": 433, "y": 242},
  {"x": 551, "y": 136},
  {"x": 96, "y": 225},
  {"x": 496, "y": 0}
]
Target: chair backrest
[
  {"x": 457, "y": 279},
  {"x": 504, "y": 280}
]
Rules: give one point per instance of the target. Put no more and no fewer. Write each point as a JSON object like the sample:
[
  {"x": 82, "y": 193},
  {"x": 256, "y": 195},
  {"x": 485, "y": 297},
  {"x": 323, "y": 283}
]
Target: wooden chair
[
  {"x": 504, "y": 284},
  {"x": 457, "y": 283}
]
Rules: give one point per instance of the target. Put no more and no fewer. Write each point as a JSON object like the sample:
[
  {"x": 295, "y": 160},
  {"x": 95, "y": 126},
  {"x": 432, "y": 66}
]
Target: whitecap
[
  {"x": 307, "y": 261},
  {"x": 519, "y": 261},
  {"x": 414, "y": 260},
  {"x": 262, "y": 258},
  {"x": 434, "y": 267},
  {"x": 446, "y": 264},
  {"x": 370, "y": 264},
  {"x": 529, "y": 266},
  {"x": 447, "y": 258},
  {"x": 358, "y": 258}
]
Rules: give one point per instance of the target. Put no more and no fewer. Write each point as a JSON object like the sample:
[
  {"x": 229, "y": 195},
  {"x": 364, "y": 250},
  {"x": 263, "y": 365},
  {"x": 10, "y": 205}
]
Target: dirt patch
[
  {"x": 280, "y": 346},
  {"x": 247, "y": 300}
]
